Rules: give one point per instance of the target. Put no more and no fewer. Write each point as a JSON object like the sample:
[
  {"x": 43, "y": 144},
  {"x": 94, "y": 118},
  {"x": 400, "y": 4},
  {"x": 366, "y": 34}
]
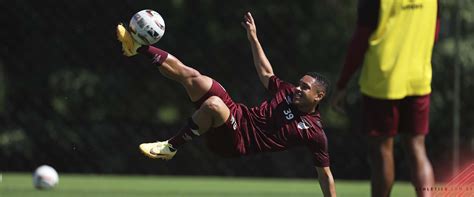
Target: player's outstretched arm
[
  {"x": 263, "y": 66},
  {"x": 326, "y": 181}
]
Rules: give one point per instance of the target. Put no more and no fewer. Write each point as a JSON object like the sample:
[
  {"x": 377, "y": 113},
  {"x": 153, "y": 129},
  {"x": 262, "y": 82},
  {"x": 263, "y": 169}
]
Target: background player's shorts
[
  {"x": 390, "y": 117},
  {"x": 225, "y": 140}
]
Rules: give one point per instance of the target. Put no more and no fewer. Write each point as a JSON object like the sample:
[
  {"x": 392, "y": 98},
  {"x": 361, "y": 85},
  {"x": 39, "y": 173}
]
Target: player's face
[{"x": 307, "y": 93}]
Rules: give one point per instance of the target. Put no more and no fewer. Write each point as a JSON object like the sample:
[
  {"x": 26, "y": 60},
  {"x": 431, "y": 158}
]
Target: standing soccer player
[
  {"x": 289, "y": 118},
  {"x": 393, "y": 42}
]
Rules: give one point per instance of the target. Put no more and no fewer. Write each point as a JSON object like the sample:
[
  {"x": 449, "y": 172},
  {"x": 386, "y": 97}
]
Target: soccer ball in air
[
  {"x": 45, "y": 177},
  {"x": 147, "y": 27}
]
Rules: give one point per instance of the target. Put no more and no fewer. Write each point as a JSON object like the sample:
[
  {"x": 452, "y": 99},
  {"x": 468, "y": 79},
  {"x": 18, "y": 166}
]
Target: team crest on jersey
[
  {"x": 303, "y": 125},
  {"x": 187, "y": 137},
  {"x": 288, "y": 99}
]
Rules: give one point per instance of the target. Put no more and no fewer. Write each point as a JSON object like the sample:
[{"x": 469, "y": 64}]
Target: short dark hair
[{"x": 322, "y": 80}]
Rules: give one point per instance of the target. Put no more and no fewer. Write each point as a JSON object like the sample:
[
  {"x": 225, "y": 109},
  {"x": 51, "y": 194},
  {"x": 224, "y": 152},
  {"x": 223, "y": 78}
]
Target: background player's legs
[
  {"x": 420, "y": 166},
  {"x": 196, "y": 85},
  {"x": 382, "y": 165}
]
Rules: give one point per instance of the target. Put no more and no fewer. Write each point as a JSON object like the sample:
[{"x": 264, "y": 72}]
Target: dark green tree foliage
[{"x": 68, "y": 97}]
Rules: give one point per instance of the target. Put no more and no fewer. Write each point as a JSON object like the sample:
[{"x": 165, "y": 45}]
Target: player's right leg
[
  {"x": 420, "y": 166},
  {"x": 212, "y": 113},
  {"x": 414, "y": 126},
  {"x": 196, "y": 85},
  {"x": 381, "y": 165}
]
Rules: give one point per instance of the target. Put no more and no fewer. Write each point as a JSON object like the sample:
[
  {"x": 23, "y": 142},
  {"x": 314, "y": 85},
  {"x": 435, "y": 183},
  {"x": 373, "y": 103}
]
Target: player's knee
[
  {"x": 213, "y": 104},
  {"x": 413, "y": 143}
]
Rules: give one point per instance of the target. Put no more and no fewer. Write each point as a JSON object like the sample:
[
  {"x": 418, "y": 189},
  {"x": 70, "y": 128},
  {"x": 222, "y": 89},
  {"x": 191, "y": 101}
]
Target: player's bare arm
[
  {"x": 326, "y": 181},
  {"x": 263, "y": 66}
]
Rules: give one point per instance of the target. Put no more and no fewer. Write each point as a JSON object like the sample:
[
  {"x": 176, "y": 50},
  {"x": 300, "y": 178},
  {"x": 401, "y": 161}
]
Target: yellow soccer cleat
[
  {"x": 158, "y": 150},
  {"x": 129, "y": 45}
]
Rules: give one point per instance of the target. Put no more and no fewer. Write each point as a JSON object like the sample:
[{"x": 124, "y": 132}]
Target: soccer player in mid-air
[{"x": 289, "y": 118}]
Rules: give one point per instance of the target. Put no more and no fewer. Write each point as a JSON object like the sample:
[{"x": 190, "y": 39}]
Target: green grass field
[{"x": 70, "y": 185}]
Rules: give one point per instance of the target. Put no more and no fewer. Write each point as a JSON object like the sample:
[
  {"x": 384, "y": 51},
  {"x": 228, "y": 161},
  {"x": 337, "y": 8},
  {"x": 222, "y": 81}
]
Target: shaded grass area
[{"x": 20, "y": 184}]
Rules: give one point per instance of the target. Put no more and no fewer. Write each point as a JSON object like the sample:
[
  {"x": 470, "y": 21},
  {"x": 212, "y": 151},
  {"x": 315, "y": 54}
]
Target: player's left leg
[
  {"x": 420, "y": 167},
  {"x": 212, "y": 113}
]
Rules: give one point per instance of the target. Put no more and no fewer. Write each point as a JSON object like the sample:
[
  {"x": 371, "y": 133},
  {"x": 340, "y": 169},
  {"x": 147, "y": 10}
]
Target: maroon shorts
[
  {"x": 390, "y": 117},
  {"x": 226, "y": 139}
]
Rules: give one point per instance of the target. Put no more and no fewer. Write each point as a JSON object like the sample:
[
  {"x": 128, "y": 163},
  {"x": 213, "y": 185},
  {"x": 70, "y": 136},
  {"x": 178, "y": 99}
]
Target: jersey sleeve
[
  {"x": 367, "y": 20},
  {"x": 368, "y": 13},
  {"x": 318, "y": 145},
  {"x": 276, "y": 85}
]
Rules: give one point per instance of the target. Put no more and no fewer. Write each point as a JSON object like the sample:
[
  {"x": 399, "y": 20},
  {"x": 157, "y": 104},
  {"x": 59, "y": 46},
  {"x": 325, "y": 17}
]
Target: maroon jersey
[{"x": 275, "y": 125}]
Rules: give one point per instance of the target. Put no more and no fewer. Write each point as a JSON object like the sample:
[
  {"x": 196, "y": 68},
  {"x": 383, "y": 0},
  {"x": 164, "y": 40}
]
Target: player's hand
[
  {"x": 338, "y": 100},
  {"x": 249, "y": 25}
]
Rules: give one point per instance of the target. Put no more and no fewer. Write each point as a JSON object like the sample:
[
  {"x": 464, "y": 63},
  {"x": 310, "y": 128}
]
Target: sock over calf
[
  {"x": 187, "y": 133},
  {"x": 158, "y": 55}
]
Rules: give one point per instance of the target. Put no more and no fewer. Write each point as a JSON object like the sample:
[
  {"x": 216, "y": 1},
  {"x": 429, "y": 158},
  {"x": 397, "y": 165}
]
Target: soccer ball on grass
[
  {"x": 147, "y": 27},
  {"x": 45, "y": 177}
]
